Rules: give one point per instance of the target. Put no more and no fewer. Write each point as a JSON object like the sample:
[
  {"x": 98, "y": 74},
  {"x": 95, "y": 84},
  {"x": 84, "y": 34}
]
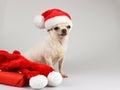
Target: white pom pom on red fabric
[
  {"x": 39, "y": 21},
  {"x": 38, "y": 82},
  {"x": 54, "y": 79}
]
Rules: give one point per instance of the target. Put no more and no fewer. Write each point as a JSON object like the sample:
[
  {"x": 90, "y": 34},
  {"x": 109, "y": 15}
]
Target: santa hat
[{"x": 52, "y": 17}]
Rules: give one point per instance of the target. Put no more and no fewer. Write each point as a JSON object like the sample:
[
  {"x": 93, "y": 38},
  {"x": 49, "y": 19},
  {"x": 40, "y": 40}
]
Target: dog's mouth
[{"x": 63, "y": 34}]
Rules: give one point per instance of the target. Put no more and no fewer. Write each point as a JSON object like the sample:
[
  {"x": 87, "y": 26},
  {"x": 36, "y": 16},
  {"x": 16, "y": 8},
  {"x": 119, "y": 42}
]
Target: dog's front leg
[
  {"x": 48, "y": 61},
  {"x": 60, "y": 68}
]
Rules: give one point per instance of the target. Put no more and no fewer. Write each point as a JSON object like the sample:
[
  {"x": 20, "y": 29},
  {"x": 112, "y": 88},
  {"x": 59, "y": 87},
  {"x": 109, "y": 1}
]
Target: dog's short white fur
[{"x": 53, "y": 48}]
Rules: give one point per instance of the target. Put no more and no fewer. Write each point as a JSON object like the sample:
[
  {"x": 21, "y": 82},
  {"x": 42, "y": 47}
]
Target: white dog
[
  {"x": 52, "y": 50},
  {"x": 58, "y": 24}
]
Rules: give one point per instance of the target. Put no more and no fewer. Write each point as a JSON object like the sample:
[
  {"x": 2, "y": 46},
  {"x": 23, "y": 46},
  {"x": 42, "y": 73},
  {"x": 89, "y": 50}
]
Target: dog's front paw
[{"x": 64, "y": 75}]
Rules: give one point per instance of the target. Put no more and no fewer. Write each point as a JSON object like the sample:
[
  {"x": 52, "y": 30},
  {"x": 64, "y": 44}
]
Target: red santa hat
[
  {"x": 39, "y": 75},
  {"x": 52, "y": 17}
]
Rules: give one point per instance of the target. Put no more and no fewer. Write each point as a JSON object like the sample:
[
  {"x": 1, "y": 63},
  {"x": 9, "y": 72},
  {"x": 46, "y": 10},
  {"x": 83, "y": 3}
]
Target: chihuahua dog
[{"x": 53, "y": 49}]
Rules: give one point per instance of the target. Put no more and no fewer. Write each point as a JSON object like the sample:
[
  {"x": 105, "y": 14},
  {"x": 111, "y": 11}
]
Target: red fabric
[
  {"x": 16, "y": 62},
  {"x": 53, "y": 13},
  {"x": 5, "y": 56},
  {"x": 13, "y": 79}
]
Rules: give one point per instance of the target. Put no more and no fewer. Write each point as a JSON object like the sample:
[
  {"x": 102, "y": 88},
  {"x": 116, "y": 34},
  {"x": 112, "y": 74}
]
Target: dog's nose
[{"x": 63, "y": 30}]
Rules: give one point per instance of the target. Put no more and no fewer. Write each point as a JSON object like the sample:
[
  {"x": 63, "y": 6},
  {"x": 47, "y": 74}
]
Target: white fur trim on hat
[
  {"x": 57, "y": 20},
  {"x": 39, "y": 21}
]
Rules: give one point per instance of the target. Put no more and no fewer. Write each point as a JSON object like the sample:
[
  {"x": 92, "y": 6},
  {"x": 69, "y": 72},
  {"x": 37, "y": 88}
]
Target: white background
[{"x": 93, "y": 57}]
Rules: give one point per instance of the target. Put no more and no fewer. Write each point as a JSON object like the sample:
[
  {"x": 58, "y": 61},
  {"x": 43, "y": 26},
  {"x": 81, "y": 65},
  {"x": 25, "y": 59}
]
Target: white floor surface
[{"x": 82, "y": 81}]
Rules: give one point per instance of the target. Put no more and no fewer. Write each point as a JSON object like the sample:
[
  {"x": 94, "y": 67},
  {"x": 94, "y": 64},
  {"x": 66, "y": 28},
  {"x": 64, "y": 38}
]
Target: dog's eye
[
  {"x": 68, "y": 27},
  {"x": 56, "y": 28}
]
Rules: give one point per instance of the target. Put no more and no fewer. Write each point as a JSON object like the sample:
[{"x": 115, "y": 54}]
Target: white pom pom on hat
[
  {"x": 39, "y": 21},
  {"x": 54, "y": 78},
  {"x": 52, "y": 17},
  {"x": 38, "y": 82}
]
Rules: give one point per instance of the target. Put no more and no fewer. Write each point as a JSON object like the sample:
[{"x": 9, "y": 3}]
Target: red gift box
[{"x": 13, "y": 79}]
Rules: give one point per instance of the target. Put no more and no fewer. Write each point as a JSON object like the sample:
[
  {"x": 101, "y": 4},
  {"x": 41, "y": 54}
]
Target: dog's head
[{"x": 60, "y": 30}]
